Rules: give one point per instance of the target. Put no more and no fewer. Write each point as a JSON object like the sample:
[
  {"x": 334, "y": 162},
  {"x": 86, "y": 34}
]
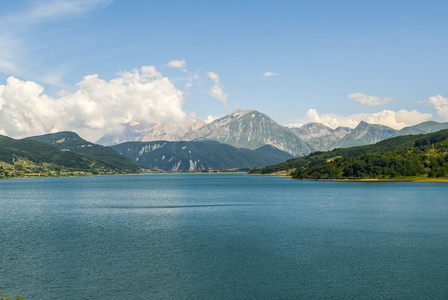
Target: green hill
[
  {"x": 74, "y": 143},
  {"x": 188, "y": 156},
  {"x": 423, "y": 128},
  {"x": 319, "y": 156},
  {"x": 29, "y": 157},
  {"x": 402, "y": 157}
]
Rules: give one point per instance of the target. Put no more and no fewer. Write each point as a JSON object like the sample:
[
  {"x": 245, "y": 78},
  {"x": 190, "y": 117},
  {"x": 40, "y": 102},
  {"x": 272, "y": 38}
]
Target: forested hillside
[
  {"x": 405, "y": 156},
  {"x": 190, "y": 156},
  {"x": 73, "y": 142},
  {"x": 28, "y": 157}
]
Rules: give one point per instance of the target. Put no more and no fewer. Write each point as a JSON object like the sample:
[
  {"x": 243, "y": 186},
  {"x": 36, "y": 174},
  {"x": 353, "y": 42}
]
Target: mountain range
[
  {"x": 242, "y": 139},
  {"x": 251, "y": 129}
]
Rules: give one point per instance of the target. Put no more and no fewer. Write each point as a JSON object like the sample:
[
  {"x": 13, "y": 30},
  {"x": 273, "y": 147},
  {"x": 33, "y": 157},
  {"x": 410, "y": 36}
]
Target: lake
[{"x": 222, "y": 236}]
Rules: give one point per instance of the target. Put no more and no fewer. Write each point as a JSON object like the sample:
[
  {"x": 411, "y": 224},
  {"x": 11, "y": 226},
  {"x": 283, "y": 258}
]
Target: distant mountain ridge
[
  {"x": 320, "y": 136},
  {"x": 248, "y": 129},
  {"x": 251, "y": 129},
  {"x": 170, "y": 131},
  {"x": 324, "y": 138}
]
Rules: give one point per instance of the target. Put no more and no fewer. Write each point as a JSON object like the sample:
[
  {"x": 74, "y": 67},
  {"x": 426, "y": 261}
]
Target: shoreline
[
  {"x": 402, "y": 179},
  {"x": 379, "y": 179},
  {"x": 25, "y": 176},
  {"x": 282, "y": 174}
]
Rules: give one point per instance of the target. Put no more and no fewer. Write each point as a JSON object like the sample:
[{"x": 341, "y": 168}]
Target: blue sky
[{"x": 337, "y": 62}]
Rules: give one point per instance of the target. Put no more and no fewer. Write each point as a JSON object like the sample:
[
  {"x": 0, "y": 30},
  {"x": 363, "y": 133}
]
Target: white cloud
[
  {"x": 97, "y": 107},
  {"x": 295, "y": 125},
  {"x": 387, "y": 118},
  {"x": 411, "y": 117},
  {"x": 216, "y": 90},
  {"x": 396, "y": 120},
  {"x": 213, "y": 76},
  {"x": 269, "y": 74},
  {"x": 331, "y": 120},
  {"x": 440, "y": 104},
  {"x": 210, "y": 119},
  {"x": 369, "y": 100},
  {"x": 180, "y": 64}
]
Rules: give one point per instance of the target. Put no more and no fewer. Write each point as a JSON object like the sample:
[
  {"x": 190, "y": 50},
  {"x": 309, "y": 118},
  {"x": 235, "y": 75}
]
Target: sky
[{"x": 91, "y": 65}]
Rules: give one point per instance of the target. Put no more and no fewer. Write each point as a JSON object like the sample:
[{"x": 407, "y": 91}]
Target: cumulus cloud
[
  {"x": 369, "y": 100},
  {"x": 332, "y": 120},
  {"x": 269, "y": 74},
  {"x": 440, "y": 104},
  {"x": 97, "y": 106},
  {"x": 216, "y": 90},
  {"x": 396, "y": 120},
  {"x": 411, "y": 117}
]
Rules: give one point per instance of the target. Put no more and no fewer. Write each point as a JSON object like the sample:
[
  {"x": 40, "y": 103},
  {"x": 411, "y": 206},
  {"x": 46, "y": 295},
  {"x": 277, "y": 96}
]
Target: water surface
[{"x": 222, "y": 236}]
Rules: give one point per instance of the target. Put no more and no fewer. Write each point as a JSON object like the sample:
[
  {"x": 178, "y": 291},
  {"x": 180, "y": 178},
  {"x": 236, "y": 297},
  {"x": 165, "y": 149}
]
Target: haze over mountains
[{"x": 251, "y": 129}]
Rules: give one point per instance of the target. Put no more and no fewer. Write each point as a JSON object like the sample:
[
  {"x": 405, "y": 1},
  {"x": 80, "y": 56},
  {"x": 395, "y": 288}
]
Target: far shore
[
  {"x": 281, "y": 173},
  {"x": 402, "y": 179}
]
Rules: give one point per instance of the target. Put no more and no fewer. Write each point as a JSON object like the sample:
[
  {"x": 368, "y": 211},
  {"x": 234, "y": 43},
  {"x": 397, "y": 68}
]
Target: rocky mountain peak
[{"x": 313, "y": 130}]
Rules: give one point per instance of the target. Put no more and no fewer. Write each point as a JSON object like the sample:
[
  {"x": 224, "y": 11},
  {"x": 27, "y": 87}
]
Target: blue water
[{"x": 222, "y": 236}]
